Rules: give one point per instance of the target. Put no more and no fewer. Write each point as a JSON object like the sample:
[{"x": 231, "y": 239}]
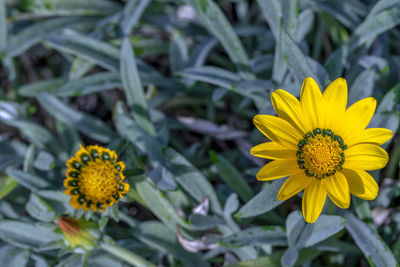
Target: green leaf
[
  {"x": 74, "y": 7},
  {"x": 39, "y": 209},
  {"x": 263, "y": 202},
  {"x": 216, "y": 22},
  {"x": 178, "y": 52},
  {"x": 273, "y": 235},
  {"x": 296, "y": 60},
  {"x": 323, "y": 228},
  {"x": 133, "y": 88},
  {"x": 374, "y": 25},
  {"x": 3, "y": 27},
  {"x": 126, "y": 255},
  {"x": 272, "y": 260},
  {"x": 272, "y": 11},
  {"x": 33, "y": 34},
  {"x": 158, "y": 203},
  {"x": 90, "y": 84},
  {"x": 26, "y": 235},
  {"x": 334, "y": 64},
  {"x": 85, "y": 123},
  {"x": 231, "y": 176},
  {"x": 370, "y": 243},
  {"x": 11, "y": 256},
  {"x": 30, "y": 181},
  {"x": 7, "y": 185},
  {"x": 158, "y": 236},
  {"x": 33, "y": 89},
  {"x": 131, "y": 14},
  {"x": 187, "y": 175},
  {"x": 362, "y": 86},
  {"x": 86, "y": 47}
]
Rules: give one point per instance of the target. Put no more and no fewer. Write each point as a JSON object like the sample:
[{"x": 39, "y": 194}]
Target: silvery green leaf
[
  {"x": 13, "y": 257},
  {"x": 133, "y": 88},
  {"x": 216, "y": 22},
  {"x": 370, "y": 243},
  {"x": 87, "y": 124},
  {"x": 263, "y": 202},
  {"x": 39, "y": 209},
  {"x": 26, "y": 234},
  {"x": 273, "y": 235},
  {"x": 30, "y": 181}
]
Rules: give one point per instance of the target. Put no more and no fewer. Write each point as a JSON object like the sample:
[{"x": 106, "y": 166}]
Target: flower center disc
[
  {"x": 321, "y": 153},
  {"x": 98, "y": 180}
]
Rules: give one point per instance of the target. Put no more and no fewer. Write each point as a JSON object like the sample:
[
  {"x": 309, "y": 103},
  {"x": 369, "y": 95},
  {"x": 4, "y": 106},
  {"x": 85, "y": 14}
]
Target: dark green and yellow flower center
[
  {"x": 321, "y": 153},
  {"x": 95, "y": 178}
]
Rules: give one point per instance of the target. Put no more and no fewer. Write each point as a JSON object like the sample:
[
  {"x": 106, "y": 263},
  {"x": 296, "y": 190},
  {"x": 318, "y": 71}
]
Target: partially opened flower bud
[{"x": 76, "y": 234}]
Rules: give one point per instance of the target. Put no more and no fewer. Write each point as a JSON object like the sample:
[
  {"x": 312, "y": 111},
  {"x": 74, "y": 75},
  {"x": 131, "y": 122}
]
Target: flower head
[
  {"x": 323, "y": 147},
  {"x": 75, "y": 233},
  {"x": 95, "y": 179}
]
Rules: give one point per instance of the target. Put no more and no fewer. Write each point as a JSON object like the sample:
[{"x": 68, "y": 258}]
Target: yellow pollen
[
  {"x": 95, "y": 179},
  {"x": 320, "y": 153},
  {"x": 98, "y": 180}
]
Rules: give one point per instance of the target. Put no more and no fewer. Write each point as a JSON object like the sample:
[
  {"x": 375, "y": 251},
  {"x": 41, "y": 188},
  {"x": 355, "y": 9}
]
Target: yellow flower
[
  {"x": 75, "y": 233},
  {"x": 95, "y": 179},
  {"x": 323, "y": 147}
]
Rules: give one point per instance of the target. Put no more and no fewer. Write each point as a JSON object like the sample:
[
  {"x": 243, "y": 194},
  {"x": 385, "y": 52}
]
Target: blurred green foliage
[{"x": 172, "y": 86}]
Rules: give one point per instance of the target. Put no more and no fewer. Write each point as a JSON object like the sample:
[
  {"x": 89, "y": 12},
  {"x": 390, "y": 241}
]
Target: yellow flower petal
[
  {"x": 377, "y": 136},
  {"x": 278, "y": 169},
  {"x": 334, "y": 102},
  {"x": 361, "y": 184},
  {"x": 293, "y": 185},
  {"x": 277, "y": 129},
  {"x": 313, "y": 200},
  {"x": 310, "y": 99},
  {"x": 356, "y": 119},
  {"x": 365, "y": 157},
  {"x": 273, "y": 150},
  {"x": 338, "y": 190},
  {"x": 288, "y": 108}
]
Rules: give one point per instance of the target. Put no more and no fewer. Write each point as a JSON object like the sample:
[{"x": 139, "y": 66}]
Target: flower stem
[{"x": 126, "y": 255}]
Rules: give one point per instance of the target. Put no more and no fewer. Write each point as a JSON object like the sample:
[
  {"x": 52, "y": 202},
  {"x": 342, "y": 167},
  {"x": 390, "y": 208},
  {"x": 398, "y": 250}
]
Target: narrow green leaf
[
  {"x": 273, "y": 235},
  {"x": 371, "y": 27},
  {"x": 272, "y": 11},
  {"x": 7, "y": 185},
  {"x": 362, "y": 86},
  {"x": 370, "y": 243},
  {"x": 231, "y": 176},
  {"x": 134, "y": 89},
  {"x": 90, "y": 84},
  {"x": 86, "y": 47},
  {"x": 131, "y": 14},
  {"x": 11, "y": 256},
  {"x": 263, "y": 202},
  {"x": 39, "y": 209},
  {"x": 26, "y": 235},
  {"x": 33, "y": 89},
  {"x": 187, "y": 175},
  {"x": 323, "y": 228},
  {"x": 74, "y": 7},
  {"x": 30, "y": 181},
  {"x": 295, "y": 59},
  {"x": 3, "y": 27},
  {"x": 157, "y": 235},
  {"x": 126, "y": 255},
  {"x": 87, "y": 124},
  {"x": 33, "y": 34},
  {"x": 216, "y": 22},
  {"x": 158, "y": 203}
]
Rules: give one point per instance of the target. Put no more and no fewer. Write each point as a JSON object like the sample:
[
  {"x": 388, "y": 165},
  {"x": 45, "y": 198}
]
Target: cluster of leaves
[{"x": 172, "y": 86}]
